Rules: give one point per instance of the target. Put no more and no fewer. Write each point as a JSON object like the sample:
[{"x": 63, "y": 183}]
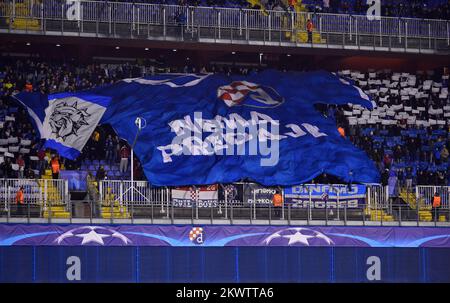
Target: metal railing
[
  {"x": 222, "y": 25},
  {"x": 41, "y": 196}
]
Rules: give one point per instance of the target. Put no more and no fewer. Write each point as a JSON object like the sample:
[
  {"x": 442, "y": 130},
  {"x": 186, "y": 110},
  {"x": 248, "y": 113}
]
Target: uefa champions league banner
[
  {"x": 325, "y": 196},
  {"x": 220, "y": 236},
  {"x": 212, "y": 128}
]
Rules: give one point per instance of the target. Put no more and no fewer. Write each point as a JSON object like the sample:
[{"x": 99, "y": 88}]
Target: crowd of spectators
[{"x": 408, "y": 135}]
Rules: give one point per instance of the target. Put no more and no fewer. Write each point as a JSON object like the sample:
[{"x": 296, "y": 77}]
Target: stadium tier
[{"x": 406, "y": 136}]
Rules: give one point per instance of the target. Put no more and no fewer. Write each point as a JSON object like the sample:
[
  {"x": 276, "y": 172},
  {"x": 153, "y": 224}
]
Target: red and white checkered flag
[{"x": 194, "y": 194}]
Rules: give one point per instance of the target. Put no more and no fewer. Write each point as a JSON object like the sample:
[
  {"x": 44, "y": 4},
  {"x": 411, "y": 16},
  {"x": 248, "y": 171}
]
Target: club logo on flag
[
  {"x": 196, "y": 235},
  {"x": 249, "y": 94},
  {"x": 66, "y": 120}
]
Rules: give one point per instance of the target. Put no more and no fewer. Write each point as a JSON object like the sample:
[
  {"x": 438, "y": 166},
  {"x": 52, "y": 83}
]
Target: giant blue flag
[{"x": 204, "y": 129}]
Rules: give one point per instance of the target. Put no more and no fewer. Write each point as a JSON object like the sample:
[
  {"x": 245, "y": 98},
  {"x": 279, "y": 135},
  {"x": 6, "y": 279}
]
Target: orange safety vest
[
  {"x": 341, "y": 131},
  {"x": 277, "y": 200},
  {"x": 55, "y": 166},
  {"x": 19, "y": 197},
  {"x": 437, "y": 201},
  {"x": 310, "y": 26}
]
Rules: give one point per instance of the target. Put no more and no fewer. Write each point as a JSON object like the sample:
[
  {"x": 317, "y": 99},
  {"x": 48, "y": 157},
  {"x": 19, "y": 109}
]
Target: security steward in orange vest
[
  {"x": 341, "y": 131},
  {"x": 55, "y": 167},
  {"x": 436, "y": 205},
  {"x": 277, "y": 201},
  {"x": 19, "y": 200}
]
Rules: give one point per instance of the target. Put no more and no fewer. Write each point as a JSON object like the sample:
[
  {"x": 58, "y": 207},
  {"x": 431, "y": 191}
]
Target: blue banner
[
  {"x": 207, "y": 129},
  {"x": 325, "y": 196}
]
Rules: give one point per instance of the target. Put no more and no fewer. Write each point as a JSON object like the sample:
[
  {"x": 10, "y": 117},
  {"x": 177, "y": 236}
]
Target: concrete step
[{"x": 57, "y": 215}]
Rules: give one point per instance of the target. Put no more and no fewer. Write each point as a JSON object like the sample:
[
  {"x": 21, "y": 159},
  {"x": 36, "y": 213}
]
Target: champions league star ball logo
[
  {"x": 91, "y": 234},
  {"x": 196, "y": 235},
  {"x": 249, "y": 94},
  {"x": 298, "y": 236},
  {"x": 67, "y": 119}
]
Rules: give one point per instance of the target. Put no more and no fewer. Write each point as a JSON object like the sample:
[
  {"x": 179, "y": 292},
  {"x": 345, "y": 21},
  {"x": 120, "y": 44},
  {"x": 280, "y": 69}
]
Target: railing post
[
  {"x": 110, "y": 18},
  {"x": 337, "y": 204},
  {"x": 406, "y": 35},
  {"x": 282, "y": 204},
  {"x": 42, "y": 17},
  {"x": 247, "y": 37},
  {"x": 292, "y": 26},
  {"x": 138, "y": 20},
  {"x": 270, "y": 26},
  {"x": 240, "y": 22},
  {"x": 350, "y": 27},
  {"x": 62, "y": 18},
  {"x": 448, "y": 33},
  {"x": 309, "y": 206},
  {"x": 172, "y": 212},
  {"x": 429, "y": 35},
  {"x": 81, "y": 17},
  {"x": 270, "y": 214},
  {"x": 218, "y": 23},
  {"x": 345, "y": 212},
  {"x": 28, "y": 212},
  {"x": 164, "y": 22},
  {"x": 381, "y": 34},
  {"x": 289, "y": 214},
  {"x": 9, "y": 207},
  {"x": 192, "y": 22}
]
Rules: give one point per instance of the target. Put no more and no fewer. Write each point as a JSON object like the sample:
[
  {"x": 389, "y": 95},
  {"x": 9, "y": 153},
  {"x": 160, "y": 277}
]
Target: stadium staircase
[
  {"x": 55, "y": 207},
  {"x": 378, "y": 215},
  {"x": 413, "y": 203},
  {"x": 110, "y": 207},
  {"x": 300, "y": 27}
]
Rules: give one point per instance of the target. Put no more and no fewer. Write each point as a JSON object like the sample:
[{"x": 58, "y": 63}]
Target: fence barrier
[{"x": 117, "y": 199}]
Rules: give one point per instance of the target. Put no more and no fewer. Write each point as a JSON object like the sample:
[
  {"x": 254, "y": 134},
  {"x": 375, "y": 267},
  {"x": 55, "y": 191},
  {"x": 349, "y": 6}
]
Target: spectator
[
  {"x": 20, "y": 201},
  {"x": 436, "y": 206},
  {"x": 101, "y": 174},
  {"x": 341, "y": 131},
  {"x": 277, "y": 201},
  {"x": 109, "y": 147}
]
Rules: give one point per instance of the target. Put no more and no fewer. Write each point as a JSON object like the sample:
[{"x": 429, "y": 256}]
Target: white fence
[{"x": 37, "y": 192}]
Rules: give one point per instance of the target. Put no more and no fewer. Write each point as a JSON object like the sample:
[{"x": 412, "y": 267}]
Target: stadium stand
[{"x": 431, "y": 9}]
